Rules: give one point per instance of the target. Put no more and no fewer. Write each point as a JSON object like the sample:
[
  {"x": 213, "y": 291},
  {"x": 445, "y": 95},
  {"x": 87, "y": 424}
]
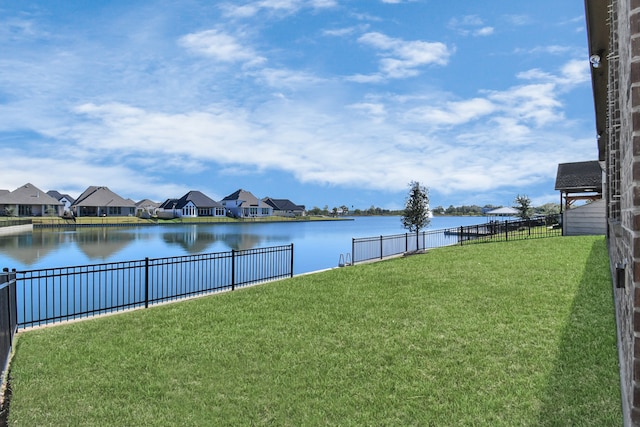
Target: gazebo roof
[
  {"x": 506, "y": 211},
  {"x": 579, "y": 177}
]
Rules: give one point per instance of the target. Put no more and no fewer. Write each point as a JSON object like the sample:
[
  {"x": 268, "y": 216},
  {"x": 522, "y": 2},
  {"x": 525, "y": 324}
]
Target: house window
[
  {"x": 219, "y": 211},
  {"x": 24, "y": 210},
  {"x": 253, "y": 211},
  {"x": 114, "y": 210},
  {"x": 265, "y": 211},
  {"x": 204, "y": 212}
]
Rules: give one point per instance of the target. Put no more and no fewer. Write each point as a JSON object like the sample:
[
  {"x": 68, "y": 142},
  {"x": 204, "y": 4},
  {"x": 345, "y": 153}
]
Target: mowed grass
[{"x": 515, "y": 333}]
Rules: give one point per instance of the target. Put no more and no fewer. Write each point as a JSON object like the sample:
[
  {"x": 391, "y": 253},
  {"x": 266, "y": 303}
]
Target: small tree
[
  {"x": 416, "y": 210},
  {"x": 523, "y": 205}
]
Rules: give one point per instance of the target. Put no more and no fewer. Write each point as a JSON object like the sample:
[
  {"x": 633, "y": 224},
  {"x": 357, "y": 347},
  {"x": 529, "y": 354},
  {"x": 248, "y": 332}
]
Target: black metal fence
[
  {"x": 57, "y": 294},
  {"x": 370, "y": 248},
  {"x": 8, "y": 318}
]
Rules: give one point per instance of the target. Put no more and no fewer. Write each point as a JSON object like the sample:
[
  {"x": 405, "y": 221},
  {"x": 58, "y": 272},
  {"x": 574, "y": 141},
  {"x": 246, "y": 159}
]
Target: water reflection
[
  {"x": 104, "y": 243},
  {"x": 27, "y": 248},
  {"x": 198, "y": 239},
  {"x": 190, "y": 239}
]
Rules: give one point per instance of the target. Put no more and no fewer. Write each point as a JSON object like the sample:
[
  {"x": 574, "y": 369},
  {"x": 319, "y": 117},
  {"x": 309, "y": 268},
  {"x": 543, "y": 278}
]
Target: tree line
[{"x": 464, "y": 210}]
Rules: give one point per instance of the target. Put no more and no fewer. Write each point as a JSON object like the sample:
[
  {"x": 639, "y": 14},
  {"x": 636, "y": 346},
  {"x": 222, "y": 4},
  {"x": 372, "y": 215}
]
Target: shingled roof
[
  {"x": 101, "y": 196},
  {"x": 579, "y": 177},
  {"x": 282, "y": 204},
  {"x": 245, "y": 197},
  {"x": 29, "y": 194},
  {"x": 59, "y": 196},
  {"x": 199, "y": 199}
]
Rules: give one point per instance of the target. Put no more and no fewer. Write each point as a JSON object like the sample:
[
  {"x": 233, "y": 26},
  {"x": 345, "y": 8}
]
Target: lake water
[{"x": 317, "y": 244}]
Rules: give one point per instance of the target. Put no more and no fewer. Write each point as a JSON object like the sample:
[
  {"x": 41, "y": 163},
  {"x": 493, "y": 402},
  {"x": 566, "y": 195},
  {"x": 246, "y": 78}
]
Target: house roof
[
  {"x": 283, "y": 204},
  {"x": 101, "y": 196},
  {"x": 199, "y": 199},
  {"x": 29, "y": 194},
  {"x": 147, "y": 203},
  {"x": 579, "y": 177},
  {"x": 245, "y": 197},
  {"x": 596, "y": 14},
  {"x": 168, "y": 204},
  {"x": 59, "y": 196}
]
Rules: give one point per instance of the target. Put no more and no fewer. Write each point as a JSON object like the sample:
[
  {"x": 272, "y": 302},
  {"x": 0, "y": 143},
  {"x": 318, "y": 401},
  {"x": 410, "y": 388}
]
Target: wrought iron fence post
[
  {"x": 12, "y": 302},
  {"x": 406, "y": 242},
  {"x": 353, "y": 250},
  {"x": 380, "y": 247},
  {"x": 460, "y": 236},
  {"x": 233, "y": 269},
  {"x": 146, "y": 282},
  {"x": 506, "y": 230},
  {"x": 5, "y": 278},
  {"x": 292, "y": 260}
]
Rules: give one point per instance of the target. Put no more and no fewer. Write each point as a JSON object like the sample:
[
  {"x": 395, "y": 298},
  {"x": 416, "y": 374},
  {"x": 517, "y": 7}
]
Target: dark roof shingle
[{"x": 579, "y": 177}]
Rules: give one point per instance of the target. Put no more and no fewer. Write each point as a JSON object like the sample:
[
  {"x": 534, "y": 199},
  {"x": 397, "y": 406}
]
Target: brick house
[{"x": 613, "y": 28}]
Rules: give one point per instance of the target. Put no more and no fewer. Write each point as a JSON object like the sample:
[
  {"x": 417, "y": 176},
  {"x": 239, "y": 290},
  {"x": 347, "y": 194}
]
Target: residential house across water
[
  {"x": 29, "y": 200},
  {"x": 191, "y": 205},
  {"x": 243, "y": 204},
  {"x": 100, "y": 201},
  {"x": 285, "y": 207},
  {"x": 65, "y": 199}
]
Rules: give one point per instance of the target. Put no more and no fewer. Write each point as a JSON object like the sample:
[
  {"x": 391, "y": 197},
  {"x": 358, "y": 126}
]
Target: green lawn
[{"x": 505, "y": 334}]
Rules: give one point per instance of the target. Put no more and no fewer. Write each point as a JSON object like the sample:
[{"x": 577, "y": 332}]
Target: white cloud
[
  {"x": 453, "y": 113},
  {"x": 470, "y": 25},
  {"x": 518, "y": 20},
  {"x": 572, "y": 73},
  {"x": 401, "y": 58},
  {"x": 551, "y": 50},
  {"x": 376, "y": 109},
  {"x": 221, "y": 46},
  {"x": 283, "y": 78},
  {"x": 536, "y": 103},
  {"x": 86, "y": 171},
  {"x": 341, "y": 32},
  {"x": 484, "y": 31},
  {"x": 466, "y": 21},
  {"x": 274, "y": 6},
  {"x": 323, "y": 4}
]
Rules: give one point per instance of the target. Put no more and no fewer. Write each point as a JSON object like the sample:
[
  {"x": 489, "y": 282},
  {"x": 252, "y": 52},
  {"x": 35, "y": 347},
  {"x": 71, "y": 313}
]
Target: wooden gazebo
[{"x": 579, "y": 181}]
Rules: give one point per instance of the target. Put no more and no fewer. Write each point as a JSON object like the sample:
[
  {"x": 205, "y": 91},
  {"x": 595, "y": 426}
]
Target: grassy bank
[{"x": 517, "y": 333}]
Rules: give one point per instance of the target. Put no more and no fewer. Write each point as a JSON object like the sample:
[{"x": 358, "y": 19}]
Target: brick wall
[{"x": 624, "y": 236}]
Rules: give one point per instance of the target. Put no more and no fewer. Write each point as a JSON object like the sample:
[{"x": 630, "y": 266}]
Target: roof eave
[{"x": 598, "y": 40}]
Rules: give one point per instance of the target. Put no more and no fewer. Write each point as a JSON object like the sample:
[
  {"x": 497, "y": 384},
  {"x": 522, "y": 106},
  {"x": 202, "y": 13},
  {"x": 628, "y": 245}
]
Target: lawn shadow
[{"x": 584, "y": 385}]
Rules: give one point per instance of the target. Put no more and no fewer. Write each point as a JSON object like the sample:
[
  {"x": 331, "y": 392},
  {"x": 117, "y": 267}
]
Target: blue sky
[{"x": 324, "y": 102}]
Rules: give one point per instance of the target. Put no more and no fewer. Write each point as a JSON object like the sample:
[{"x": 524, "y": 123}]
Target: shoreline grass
[{"x": 516, "y": 333}]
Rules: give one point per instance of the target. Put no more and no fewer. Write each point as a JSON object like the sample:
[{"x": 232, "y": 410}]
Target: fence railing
[
  {"x": 8, "y": 318},
  {"x": 379, "y": 247},
  {"x": 57, "y": 294}
]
